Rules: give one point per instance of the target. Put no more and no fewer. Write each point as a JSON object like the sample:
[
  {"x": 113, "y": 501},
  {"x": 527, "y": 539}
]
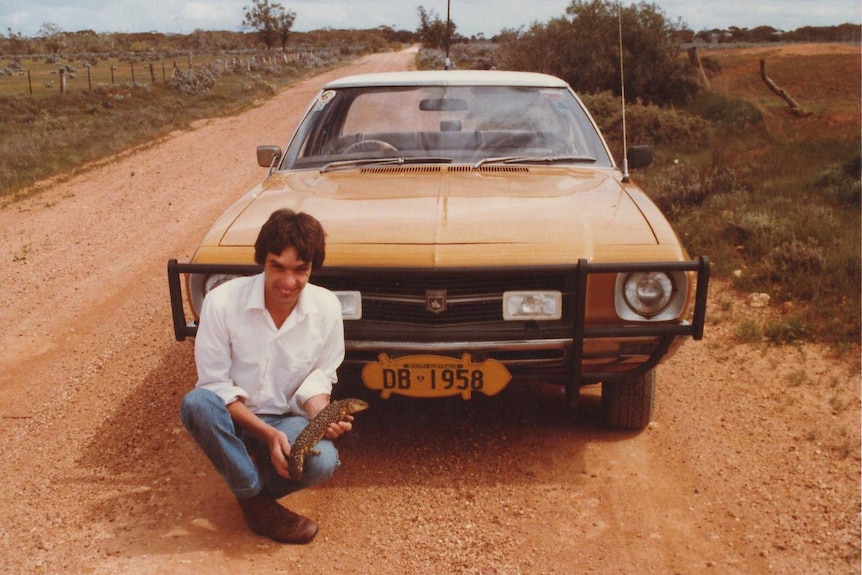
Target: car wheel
[{"x": 627, "y": 404}]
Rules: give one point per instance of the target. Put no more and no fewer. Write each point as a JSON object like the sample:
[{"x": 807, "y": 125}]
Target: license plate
[{"x": 435, "y": 376}]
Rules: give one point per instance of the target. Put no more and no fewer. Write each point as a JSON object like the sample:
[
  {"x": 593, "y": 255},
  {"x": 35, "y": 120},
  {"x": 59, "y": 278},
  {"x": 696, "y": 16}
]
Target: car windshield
[{"x": 352, "y": 127}]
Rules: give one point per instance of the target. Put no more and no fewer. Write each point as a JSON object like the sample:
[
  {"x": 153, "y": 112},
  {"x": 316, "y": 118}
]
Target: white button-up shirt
[{"x": 240, "y": 353}]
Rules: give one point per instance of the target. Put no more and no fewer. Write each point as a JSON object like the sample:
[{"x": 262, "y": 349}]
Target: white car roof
[{"x": 450, "y": 78}]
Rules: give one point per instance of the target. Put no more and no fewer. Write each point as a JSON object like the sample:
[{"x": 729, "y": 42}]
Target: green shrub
[
  {"x": 726, "y": 113},
  {"x": 748, "y": 331},
  {"x": 678, "y": 187},
  {"x": 800, "y": 263},
  {"x": 784, "y": 329},
  {"x": 464, "y": 56},
  {"x": 664, "y": 128},
  {"x": 648, "y": 124},
  {"x": 193, "y": 81},
  {"x": 842, "y": 183},
  {"x": 430, "y": 59}
]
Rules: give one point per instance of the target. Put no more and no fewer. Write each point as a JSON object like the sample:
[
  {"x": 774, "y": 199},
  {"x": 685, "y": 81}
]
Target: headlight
[
  {"x": 351, "y": 304},
  {"x": 532, "y": 305},
  {"x": 215, "y": 280},
  {"x": 650, "y": 295},
  {"x": 201, "y": 284}
]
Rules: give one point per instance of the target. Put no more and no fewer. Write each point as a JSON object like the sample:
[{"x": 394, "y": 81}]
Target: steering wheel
[{"x": 370, "y": 146}]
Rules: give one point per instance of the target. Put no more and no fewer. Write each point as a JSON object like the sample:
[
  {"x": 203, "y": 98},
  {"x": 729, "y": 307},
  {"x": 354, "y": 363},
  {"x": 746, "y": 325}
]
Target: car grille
[{"x": 471, "y": 297}]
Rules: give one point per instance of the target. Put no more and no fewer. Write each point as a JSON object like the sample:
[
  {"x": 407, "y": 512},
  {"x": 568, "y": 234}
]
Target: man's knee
[
  {"x": 197, "y": 404},
  {"x": 320, "y": 468}
]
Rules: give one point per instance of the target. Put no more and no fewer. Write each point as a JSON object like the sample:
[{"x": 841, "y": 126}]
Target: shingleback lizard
[{"x": 316, "y": 429}]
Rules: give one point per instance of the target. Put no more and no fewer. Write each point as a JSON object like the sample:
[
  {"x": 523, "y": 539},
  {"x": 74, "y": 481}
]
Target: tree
[
  {"x": 16, "y": 44},
  {"x": 284, "y": 24},
  {"x": 583, "y": 48},
  {"x": 271, "y": 21},
  {"x": 52, "y": 36},
  {"x": 432, "y": 30}
]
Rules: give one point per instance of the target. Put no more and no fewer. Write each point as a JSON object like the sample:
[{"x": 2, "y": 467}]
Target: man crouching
[{"x": 267, "y": 349}]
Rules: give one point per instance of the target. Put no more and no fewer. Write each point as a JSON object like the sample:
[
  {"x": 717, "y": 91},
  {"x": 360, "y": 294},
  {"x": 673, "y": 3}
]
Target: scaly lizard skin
[{"x": 316, "y": 429}]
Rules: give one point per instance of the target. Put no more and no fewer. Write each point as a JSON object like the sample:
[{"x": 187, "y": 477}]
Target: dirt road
[{"x": 751, "y": 466}]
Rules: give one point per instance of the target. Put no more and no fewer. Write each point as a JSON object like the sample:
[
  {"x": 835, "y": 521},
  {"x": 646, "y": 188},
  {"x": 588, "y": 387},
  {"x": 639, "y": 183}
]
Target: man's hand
[
  {"x": 315, "y": 405},
  {"x": 279, "y": 446},
  {"x": 279, "y": 451}
]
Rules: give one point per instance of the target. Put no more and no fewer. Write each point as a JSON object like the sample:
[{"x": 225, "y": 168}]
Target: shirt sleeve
[
  {"x": 324, "y": 375},
  {"x": 213, "y": 351}
]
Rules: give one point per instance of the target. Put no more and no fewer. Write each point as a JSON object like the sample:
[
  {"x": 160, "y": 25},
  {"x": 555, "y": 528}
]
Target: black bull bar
[{"x": 665, "y": 331}]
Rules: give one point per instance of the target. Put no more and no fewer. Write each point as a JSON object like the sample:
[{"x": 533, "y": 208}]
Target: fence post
[
  {"x": 30, "y": 82},
  {"x": 112, "y": 75},
  {"x": 89, "y": 79},
  {"x": 62, "y": 80},
  {"x": 132, "y": 66}
]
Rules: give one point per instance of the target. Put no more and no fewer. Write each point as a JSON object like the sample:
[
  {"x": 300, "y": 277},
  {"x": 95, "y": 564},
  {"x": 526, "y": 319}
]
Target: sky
[{"x": 471, "y": 17}]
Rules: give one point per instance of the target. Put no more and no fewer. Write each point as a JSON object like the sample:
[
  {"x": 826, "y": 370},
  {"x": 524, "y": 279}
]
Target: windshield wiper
[
  {"x": 342, "y": 164},
  {"x": 534, "y": 160}
]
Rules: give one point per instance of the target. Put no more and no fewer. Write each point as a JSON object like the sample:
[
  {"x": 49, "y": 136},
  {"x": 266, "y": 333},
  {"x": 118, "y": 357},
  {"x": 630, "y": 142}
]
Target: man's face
[{"x": 285, "y": 275}]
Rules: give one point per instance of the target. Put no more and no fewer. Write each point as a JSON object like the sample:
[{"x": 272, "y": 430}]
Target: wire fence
[{"x": 40, "y": 78}]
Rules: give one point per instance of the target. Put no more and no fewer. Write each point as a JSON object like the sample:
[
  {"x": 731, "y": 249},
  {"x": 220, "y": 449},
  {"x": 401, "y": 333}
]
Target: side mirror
[
  {"x": 640, "y": 156},
  {"x": 267, "y": 156}
]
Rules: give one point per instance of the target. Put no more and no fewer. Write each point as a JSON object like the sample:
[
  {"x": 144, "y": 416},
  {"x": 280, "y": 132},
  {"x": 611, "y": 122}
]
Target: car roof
[{"x": 449, "y": 78}]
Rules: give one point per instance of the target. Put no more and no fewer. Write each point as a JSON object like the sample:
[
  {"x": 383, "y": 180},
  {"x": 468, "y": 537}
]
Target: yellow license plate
[{"x": 435, "y": 376}]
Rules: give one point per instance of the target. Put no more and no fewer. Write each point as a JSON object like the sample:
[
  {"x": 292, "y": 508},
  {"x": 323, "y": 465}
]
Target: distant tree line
[
  {"x": 841, "y": 33},
  {"x": 199, "y": 41}
]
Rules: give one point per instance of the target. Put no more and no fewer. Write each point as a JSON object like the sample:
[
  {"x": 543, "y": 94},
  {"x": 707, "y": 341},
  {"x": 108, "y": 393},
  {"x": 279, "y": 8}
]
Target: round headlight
[
  {"x": 648, "y": 293},
  {"x": 215, "y": 280},
  {"x": 201, "y": 284}
]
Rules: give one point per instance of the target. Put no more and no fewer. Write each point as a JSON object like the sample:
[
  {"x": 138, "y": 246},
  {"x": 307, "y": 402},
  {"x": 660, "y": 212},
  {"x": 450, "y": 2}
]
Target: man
[{"x": 266, "y": 350}]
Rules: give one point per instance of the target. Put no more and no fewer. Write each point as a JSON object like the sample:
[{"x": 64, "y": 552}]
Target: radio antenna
[{"x": 623, "y": 96}]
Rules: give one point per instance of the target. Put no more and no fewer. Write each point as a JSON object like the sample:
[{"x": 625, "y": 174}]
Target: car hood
[{"x": 447, "y": 216}]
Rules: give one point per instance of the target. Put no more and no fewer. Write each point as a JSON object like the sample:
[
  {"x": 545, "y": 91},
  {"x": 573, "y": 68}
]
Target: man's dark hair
[{"x": 286, "y": 228}]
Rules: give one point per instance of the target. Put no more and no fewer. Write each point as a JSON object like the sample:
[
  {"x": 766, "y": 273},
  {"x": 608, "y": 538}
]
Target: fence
[{"x": 40, "y": 78}]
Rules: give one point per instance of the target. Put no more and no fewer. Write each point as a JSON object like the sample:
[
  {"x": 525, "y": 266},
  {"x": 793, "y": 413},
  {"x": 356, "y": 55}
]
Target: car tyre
[{"x": 628, "y": 404}]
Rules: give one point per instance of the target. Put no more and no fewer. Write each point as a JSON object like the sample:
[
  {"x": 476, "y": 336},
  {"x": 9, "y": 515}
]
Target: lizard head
[{"x": 355, "y": 405}]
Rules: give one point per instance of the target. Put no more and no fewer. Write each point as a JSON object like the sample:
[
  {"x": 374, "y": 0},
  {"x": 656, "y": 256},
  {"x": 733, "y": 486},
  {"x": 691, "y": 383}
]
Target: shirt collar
[{"x": 255, "y": 296}]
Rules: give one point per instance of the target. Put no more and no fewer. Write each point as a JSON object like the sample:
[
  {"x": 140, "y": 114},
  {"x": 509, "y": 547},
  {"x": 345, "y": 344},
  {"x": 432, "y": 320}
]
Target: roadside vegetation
[{"x": 773, "y": 198}]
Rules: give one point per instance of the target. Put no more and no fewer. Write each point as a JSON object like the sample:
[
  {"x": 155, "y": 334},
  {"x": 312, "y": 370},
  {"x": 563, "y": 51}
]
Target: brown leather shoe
[{"x": 265, "y": 516}]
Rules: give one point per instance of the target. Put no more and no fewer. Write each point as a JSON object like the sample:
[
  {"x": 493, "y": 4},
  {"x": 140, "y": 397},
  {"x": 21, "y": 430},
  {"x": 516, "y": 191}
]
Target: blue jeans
[{"x": 242, "y": 460}]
